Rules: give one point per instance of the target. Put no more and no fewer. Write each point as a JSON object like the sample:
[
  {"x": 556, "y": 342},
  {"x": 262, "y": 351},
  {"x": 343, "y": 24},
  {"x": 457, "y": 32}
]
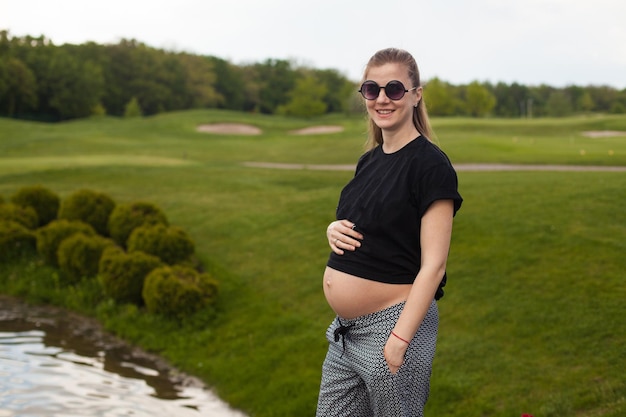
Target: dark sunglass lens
[
  {"x": 394, "y": 90},
  {"x": 370, "y": 90}
]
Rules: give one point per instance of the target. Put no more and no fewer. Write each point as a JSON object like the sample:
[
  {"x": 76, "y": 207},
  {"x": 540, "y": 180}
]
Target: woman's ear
[{"x": 418, "y": 96}]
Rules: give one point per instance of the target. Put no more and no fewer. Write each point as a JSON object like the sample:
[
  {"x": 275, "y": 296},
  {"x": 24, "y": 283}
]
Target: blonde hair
[{"x": 420, "y": 115}]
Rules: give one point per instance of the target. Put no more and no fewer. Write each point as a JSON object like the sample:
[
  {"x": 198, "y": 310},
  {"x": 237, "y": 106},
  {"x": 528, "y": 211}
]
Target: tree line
[
  {"x": 515, "y": 100},
  {"x": 43, "y": 81}
]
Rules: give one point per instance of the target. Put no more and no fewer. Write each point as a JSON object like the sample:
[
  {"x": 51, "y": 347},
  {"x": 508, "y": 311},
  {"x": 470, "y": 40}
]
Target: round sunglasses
[{"x": 394, "y": 90}]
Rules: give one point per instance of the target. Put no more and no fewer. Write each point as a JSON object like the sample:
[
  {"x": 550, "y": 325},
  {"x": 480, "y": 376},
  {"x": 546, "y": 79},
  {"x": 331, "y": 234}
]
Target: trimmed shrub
[
  {"x": 178, "y": 291},
  {"x": 79, "y": 256},
  {"x": 50, "y": 237},
  {"x": 127, "y": 217},
  {"x": 24, "y": 215},
  {"x": 171, "y": 244},
  {"x": 15, "y": 240},
  {"x": 90, "y": 207},
  {"x": 122, "y": 274},
  {"x": 42, "y": 200}
]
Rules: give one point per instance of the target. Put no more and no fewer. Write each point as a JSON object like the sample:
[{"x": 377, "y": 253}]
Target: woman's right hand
[{"x": 342, "y": 236}]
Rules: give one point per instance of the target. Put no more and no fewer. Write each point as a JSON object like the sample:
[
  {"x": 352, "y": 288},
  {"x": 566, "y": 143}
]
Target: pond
[{"x": 55, "y": 363}]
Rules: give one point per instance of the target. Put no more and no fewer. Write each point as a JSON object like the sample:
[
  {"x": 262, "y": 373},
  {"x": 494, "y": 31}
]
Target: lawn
[{"x": 532, "y": 321}]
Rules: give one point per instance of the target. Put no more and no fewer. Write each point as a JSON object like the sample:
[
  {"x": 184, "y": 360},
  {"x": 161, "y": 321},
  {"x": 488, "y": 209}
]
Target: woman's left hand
[{"x": 394, "y": 354}]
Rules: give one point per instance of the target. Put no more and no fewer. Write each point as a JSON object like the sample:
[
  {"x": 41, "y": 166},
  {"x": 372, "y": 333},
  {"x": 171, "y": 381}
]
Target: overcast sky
[{"x": 554, "y": 42}]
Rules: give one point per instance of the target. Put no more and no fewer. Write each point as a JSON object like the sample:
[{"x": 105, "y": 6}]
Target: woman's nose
[{"x": 382, "y": 95}]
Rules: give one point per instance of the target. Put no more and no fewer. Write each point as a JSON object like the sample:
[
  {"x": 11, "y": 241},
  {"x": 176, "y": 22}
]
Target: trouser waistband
[{"x": 364, "y": 321}]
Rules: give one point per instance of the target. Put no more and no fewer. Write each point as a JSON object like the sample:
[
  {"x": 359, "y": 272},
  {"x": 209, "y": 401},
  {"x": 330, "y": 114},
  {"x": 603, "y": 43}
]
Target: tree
[
  {"x": 229, "y": 84},
  {"x": 439, "y": 98},
  {"x": 559, "y": 104},
  {"x": 511, "y": 100},
  {"x": 136, "y": 70},
  {"x": 539, "y": 96},
  {"x": 603, "y": 97},
  {"x": 585, "y": 102},
  {"x": 154, "y": 80},
  {"x": 618, "y": 108},
  {"x": 73, "y": 87},
  {"x": 252, "y": 88},
  {"x": 132, "y": 108},
  {"x": 18, "y": 87},
  {"x": 478, "y": 100},
  {"x": 276, "y": 79},
  {"x": 199, "y": 82},
  {"x": 337, "y": 89},
  {"x": 36, "y": 54},
  {"x": 5, "y": 43},
  {"x": 307, "y": 98}
]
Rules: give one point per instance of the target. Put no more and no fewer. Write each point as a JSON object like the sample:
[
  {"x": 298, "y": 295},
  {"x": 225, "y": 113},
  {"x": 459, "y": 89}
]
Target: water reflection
[{"x": 55, "y": 365}]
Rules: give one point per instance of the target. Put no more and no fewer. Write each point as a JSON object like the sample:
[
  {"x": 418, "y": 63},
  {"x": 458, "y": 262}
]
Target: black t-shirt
[{"x": 386, "y": 200}]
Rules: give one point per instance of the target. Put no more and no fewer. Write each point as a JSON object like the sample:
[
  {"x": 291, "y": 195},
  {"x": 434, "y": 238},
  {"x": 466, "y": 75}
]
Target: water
[{"x": 53, "y": 363}]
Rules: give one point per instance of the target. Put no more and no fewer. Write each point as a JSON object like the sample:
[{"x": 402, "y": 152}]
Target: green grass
[
  {"x": 532, "y": 321},
  {"x": 540, "y": 141}
]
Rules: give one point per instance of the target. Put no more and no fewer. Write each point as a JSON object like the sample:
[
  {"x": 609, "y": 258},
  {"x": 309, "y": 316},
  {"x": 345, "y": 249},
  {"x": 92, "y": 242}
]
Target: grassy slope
[{"x": 532, "y": 317}]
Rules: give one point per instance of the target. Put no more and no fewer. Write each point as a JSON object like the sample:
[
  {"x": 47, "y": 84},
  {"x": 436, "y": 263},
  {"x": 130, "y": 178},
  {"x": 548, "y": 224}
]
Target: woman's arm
[{"x": 435, "y": 235}]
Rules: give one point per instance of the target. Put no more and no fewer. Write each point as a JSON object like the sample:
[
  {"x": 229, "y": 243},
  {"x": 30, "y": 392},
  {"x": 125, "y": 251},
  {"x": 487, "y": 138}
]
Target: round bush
[
  {"x": 50, "y": 237},
  {"x": 171, "y": 244},
  {"x": 90, "y": 207},
  {"x": 42, "y": 200},
  {"x": 122, "y": 274},
  {"x": 15, "y": 240},
  {"x": 24, "y": 215},
  {"x": 79, "y": 256},
  {"x": 178, "y": 291},
  {"x": 127, "y": 217}
]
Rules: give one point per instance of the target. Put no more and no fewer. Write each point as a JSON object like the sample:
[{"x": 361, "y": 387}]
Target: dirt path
[
  {"x": 458, "y": 167},
  {"x": 244, "y": 129}
]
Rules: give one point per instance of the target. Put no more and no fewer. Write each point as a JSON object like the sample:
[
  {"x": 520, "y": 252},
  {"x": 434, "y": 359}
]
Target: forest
[{"x": 46, "y": 82}]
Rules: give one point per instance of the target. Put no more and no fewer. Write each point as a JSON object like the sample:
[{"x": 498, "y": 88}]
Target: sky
[{"x": 531, "y": 42}]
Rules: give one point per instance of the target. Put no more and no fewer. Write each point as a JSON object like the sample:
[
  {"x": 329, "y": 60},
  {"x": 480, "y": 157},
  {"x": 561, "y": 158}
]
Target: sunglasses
[{"x": 394, "y": 90}]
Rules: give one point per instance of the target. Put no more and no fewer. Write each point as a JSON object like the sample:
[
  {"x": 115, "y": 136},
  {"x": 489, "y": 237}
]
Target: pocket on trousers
[{"x": 383, "y": 366}]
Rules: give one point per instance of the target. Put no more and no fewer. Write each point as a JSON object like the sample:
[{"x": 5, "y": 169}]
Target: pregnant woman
[{"x": 390, "y": 245}]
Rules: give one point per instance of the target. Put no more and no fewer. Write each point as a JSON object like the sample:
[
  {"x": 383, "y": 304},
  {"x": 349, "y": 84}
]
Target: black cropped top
[{"x": 386, "y": 200}]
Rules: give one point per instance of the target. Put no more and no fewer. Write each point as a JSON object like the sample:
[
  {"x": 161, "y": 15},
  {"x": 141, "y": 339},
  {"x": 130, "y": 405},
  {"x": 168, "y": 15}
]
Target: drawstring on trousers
[{"x": 342, "y": 331}]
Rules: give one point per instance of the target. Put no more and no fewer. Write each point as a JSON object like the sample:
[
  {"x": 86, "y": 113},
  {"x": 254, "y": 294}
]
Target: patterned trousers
[{"x": 356, "y": 381}]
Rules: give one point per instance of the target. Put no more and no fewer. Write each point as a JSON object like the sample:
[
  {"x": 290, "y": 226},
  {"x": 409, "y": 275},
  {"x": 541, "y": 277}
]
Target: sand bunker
[
  {"x": 316, "y": 130},
  {"x": 603, "y": 133},
  {"x": 243, "y": 129},
  {"x": 229, "y": 129}
]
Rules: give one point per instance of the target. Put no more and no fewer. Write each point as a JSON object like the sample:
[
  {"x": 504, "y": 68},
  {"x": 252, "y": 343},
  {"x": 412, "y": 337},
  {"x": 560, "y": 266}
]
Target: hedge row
[{"x": 130, "y": 249}]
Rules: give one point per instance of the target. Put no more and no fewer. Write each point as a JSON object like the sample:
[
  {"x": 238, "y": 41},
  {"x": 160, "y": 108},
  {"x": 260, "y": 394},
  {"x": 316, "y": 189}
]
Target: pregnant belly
[{"x": 350, "y": 296}]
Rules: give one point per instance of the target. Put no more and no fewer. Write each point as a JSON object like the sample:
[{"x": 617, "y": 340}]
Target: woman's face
[{"x": 392, "y": 115}]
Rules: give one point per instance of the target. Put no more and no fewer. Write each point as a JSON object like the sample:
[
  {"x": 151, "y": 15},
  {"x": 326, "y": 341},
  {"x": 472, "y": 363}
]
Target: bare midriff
[{"x": 351, "y": 296}]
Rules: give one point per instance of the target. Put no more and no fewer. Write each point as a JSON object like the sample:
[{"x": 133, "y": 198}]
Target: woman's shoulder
[{"x": 426, "y": 151}]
